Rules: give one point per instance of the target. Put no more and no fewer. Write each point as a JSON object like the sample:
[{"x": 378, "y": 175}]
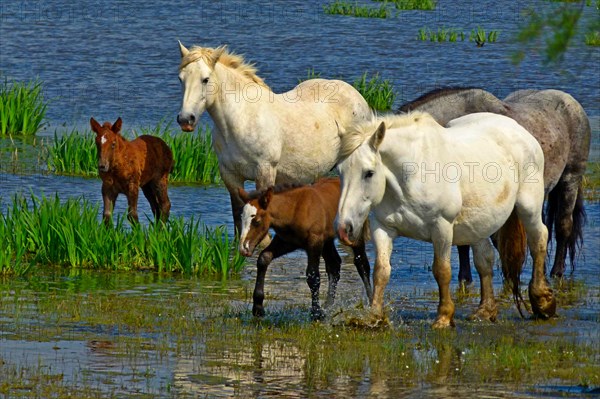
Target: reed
[
  {"x": 22, "y": 108},
  {"x": 310, "y": 74},
  {"x": 378, "y": 92},
  {"x": 48, "y": 231},
  {"x": 340, "y": 7},
  {"x": 592, "y": 38},
  {"x": 74, "y": 153}
]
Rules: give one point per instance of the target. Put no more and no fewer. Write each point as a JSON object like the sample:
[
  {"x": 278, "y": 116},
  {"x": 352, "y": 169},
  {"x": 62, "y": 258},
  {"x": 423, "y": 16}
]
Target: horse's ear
[
  {"x": 95, "y": 125},
  {"x": 216, "y": 54},
  {"x": 265, "y": 199},
  {"x": 116, "y": 127},
  {"x": 244, "y": 195},
  {"x": 377, "y": 137},
  {"x": 184, "y": 51}
]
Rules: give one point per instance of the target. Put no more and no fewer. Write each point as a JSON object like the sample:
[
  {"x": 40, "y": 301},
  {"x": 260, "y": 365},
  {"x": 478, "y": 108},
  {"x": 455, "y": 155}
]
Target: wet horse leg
[
  {"x": 381, "y": 274},
  {"x": 132, "y": 201},
  {"x": 333, "y": 263},
  {"x": 277, "y": 248},
  {"x": 265, "y": 178},
  {"x": 442, "y": 244},
  {"x": 483, "y": 257},
  {"x": 233, "y": 181},
  {"x": 149, "y": 193},
  {"x": 162, "y": 198},
  {"x": 109, "y": 196},
  {"x": 541, "y": 295},
  {"x": 313, "y": 278}
]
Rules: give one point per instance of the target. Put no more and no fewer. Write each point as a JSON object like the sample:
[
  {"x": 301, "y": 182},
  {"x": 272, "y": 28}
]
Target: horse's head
[
  {"x": 363, "y": 185},
  {"x": 107, "y": 142},
  {"x": 196, "y": 74},
  {"x": 255, "y": 220}
]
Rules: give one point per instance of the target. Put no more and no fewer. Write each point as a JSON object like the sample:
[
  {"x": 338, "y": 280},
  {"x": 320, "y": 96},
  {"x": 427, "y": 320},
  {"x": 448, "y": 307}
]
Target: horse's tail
[
  {"x": 553, "y": 207},
  {"x": 512, "y": 246}
]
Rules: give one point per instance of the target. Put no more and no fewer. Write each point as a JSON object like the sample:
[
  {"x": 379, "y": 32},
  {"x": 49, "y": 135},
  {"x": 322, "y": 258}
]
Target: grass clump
[
  {"x": 378, "y": 92},
  {"x": 310, "y": 74},
  {"x": 340, "y": 7},
  {"x": 45, "y": 231},
  {"x": 479, "y": 35},
  {"x": 406, "y": 5},
  {"x": 22, "y": 108},
  {"x": 75, "y": 154},
  {"x": 592, "y": 38}
]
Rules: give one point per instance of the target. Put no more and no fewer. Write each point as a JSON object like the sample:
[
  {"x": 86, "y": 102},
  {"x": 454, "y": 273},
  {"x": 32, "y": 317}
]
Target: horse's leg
[
  {"x": 265, "y": 178},
  {"x": 109, "y": 196},
  {"x": 464, "y": 272},
  {"x": 313, "y": 279},
  {"x": 333, "y": 264},
  {"x": 541, "y": 296},
  {"x": 381, "y": 273},
  {"x": 277, "y": 248},
  {"x": 233, "y": 181},
  {"x": 149, "y": 193},
  {"x": 132, "y": 200},
  {"x": 162, "y": 198},
  {"x": 567, "y": 208},
  {"x": 483, "y": 257},
  {"x": 442, "y": 246},
  {"x": 363, "y": 267}
]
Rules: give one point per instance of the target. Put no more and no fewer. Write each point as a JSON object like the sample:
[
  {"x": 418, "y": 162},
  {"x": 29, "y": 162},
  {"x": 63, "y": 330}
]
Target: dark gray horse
[{"x": 562, "y": 128}]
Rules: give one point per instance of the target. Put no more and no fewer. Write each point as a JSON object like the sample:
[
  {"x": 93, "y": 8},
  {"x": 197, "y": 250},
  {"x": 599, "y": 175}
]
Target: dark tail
[
  {"x": 553, "y": 208},
  {"x": 512, "y": 246}
]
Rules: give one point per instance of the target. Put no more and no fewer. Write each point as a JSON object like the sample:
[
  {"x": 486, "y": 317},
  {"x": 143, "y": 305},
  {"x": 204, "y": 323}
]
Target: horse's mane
[
  {"x": 227, "y": 58},
  {"x": 432, "y": 95},
  {"x": 357, "y": 134}
]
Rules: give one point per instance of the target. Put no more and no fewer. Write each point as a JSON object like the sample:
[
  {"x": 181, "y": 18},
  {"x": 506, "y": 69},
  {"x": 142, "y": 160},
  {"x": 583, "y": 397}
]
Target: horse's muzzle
[
  {"x": 246, "y": 248},
  {"x": 187, "y": 123},
  {"x": 186, "y": 127},
  {"x": 343, "y": 234},
  {"x": 103, "y": 167}
]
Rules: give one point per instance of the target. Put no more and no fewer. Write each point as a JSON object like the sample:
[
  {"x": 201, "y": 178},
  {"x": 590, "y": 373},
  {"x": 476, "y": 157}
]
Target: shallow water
[{"x": 96, "y": 334}]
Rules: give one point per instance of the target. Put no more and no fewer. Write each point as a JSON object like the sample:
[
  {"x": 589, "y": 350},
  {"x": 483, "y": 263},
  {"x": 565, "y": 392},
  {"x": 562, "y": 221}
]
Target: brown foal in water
[
  {"x": 303, "y": 218},
  {"x": 125, "y": 166}
]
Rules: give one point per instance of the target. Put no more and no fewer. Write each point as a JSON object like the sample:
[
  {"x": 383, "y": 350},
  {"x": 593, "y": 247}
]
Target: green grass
[
  {"x": 378, "y": 92},
  {"x": 46, "y": 231},
  {"x": 592, "y": 38},
  {"x": 74, "y": 153},
  {"x": 427, "y": 5},
  {"x": 22, "y": 108},
  {"x": 310, "y": 74},
  {"x": 479, "y": 35},
  {"x": 340, "y": 7}
]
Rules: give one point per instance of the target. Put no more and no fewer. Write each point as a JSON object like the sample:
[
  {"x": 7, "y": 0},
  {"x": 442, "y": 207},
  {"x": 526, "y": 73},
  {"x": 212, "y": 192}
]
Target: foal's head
[
  {"x": 108, "y": 140},
  {"x": 255, "y": 220}
]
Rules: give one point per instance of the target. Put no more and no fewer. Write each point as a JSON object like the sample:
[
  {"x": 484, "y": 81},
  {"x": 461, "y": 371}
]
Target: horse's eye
[
  {"x": 205, "y": 81},
  {"x": 255, "y": 221},
  {"x": 369, "y": 174}
]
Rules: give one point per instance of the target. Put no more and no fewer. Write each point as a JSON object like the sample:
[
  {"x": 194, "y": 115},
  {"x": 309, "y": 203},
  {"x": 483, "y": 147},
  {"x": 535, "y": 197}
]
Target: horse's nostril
[{"x": 192, "y": 118}]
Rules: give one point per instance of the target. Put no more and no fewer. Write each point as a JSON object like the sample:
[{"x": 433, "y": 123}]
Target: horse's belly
[{"x": 473, "y": 225}]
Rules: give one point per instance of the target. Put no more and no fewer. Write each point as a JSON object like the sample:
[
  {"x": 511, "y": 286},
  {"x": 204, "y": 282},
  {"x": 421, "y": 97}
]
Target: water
[{"x": 120, "y": 58}]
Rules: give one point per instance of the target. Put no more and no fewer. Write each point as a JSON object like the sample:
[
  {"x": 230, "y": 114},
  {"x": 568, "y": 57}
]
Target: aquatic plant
[
  {"x": 310, "y": 74},
  {"x": 412, "y": 4},
  {"x": 592, "y": 38},
  {"x": 74, "y": 153},
  {"x": 480, "y": 37},
  {"x": 341, "y": 7},
  {"x": 453, "y": 35},
  {"x": 22, "y": 108},
  {"x": 378, "y": 92},
  {"x": 42, "y": 231}
]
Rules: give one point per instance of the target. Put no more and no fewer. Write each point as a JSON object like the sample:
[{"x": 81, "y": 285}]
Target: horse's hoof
[
  {"x": 543, "y": 302},
  {"x": 484, "y": 313},
  {"x": 317, "y": 314},
  {"x": 258, "y": 311},
  {"x": 443, "y": 322}
]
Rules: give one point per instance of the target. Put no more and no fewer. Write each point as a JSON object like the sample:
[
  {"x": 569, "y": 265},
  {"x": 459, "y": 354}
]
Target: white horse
[
  {"x": 448, "y": 186},
  {"x": 262, "y": 136}
]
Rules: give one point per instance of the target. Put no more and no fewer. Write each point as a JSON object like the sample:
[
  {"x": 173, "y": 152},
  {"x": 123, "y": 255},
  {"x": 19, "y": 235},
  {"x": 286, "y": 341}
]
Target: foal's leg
[
  {"x": 132, "y": 200},
  {"x": 483, "y": 257},
  {"x": 464, "y": 272},
  {"x": 333, "y": 263},
  {"x": 162, "y": 199},
  {"x": 277, "y": 248},
  {"x": 363, "y": 267},
  {"x": 149, "y": 193},
  {"x": 313, "y": 279},
  {"x": 109, "y": 196},
  {"x": 541, "y": 295},
  {"x": 442, "y": 245}
]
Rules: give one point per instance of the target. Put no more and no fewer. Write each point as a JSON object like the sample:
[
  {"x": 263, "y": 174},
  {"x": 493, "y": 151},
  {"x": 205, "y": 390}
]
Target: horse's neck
[
  {"x": 454, "y": 105},
  {"x": 280, "y": 212},
  {"x": 238, "y": 102}
]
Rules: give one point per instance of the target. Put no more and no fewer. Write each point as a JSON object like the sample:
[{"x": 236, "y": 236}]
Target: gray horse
[{"x": 562, "y": 128}]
